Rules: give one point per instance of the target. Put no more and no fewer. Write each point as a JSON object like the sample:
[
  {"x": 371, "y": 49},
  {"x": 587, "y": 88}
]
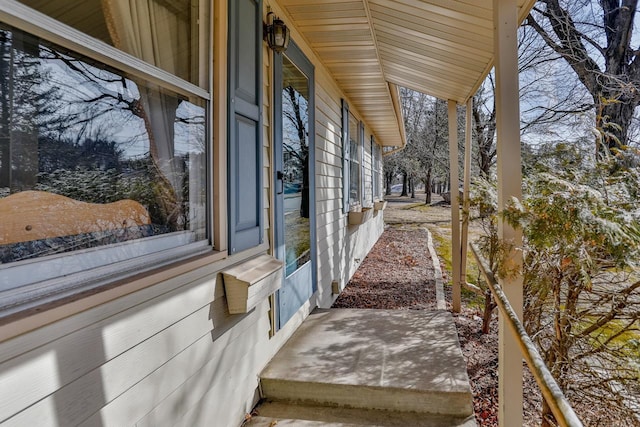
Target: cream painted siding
[
  {"x": 341, "y": 247},
  {"x": 267, "y": 156},
  {"x": 169, "y": 355}
]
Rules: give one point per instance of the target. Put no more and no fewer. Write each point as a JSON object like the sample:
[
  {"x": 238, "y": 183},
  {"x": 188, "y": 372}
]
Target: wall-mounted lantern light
[{"x": 276, "y": 33}]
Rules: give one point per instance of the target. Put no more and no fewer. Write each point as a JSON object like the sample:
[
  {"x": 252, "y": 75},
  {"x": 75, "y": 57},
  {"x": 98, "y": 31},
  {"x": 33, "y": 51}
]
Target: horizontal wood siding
[
  {"x": 152, "y": 362},
  {"x": 339, "y": 245}
]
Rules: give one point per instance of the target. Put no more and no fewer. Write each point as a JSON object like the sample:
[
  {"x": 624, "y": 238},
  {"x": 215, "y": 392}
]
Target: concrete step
[
  {"x": 281, "y": 414},
  {"x": 279, "y": 422},
  {"x": 393, "y": 360}
]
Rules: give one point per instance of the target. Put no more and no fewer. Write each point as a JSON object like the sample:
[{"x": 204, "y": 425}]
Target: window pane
[
  {"x": 163, "y": 33},
  {"x": 295, "y": 148},
  {"x": 354, "y": 159},
  {"x": 90, "y": 157},
  {"x": 376, "y": 167}
]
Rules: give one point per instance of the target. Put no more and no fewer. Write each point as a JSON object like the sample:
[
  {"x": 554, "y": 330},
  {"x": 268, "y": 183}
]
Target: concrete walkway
[{"x": 403, "y": 362}]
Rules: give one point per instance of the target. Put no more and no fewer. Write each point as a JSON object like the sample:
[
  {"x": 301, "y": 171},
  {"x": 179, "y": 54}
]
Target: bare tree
[{"x": 595, "y": 39}]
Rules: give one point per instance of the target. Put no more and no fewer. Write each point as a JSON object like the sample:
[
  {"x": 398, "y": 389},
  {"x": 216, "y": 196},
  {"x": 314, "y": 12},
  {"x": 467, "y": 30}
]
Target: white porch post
[
  {"x": 466, "y": 203},
  {"x": 505, "y": 20},
  {"x": 455, "y": 205}
]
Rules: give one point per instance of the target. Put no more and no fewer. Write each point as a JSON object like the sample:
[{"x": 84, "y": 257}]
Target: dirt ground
[{"x": 398, "y": 274}]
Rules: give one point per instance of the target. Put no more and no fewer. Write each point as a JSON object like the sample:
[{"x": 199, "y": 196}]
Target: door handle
[{"x": 280, "y": 177}]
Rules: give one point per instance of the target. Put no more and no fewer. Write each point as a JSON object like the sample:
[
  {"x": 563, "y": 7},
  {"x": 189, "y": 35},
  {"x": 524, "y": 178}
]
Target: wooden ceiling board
[
  {"x": 323, "y": 23},
  {"x": 423, "y": 38},
  {"x": 304, "y": 6},
  {"x": 430, "y": 25},
  {"x": 397, "y": 73},
  {"x": 337, "y": 36},
  {"x": 453, "y": 12},
  {"x": 324, "y": 14},
  {"x": 463, "y": 67},
  {"x": 345, "y": 27},
  {"x": 367, "y": 56}
]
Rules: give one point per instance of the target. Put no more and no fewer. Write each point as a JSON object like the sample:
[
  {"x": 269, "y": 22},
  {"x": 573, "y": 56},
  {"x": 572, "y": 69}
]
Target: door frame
[{"x": 299, "y": 59}]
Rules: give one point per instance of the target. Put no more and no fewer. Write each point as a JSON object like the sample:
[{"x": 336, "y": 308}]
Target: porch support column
[
  {"x": 505, "y": 20},
  {"x": 455, "y": 205},
  {"x": 466, "y": 203}
]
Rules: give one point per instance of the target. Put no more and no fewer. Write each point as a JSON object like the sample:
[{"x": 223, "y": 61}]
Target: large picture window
[{"x": 96, "y": 162}]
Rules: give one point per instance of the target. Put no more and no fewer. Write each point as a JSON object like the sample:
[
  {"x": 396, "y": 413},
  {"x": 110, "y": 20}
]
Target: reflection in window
[
  {"x": 354, "y": 161},
  {"x": 90, "y": 157},
  {"x": 295, "y": 148},
  {"x": 163, "y": 33},
  {"x": 376, "y": 169}
]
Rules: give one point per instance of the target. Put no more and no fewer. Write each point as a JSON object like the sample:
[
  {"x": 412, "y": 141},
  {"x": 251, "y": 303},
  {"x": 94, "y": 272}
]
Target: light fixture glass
[{"x": 277, "y": 33}]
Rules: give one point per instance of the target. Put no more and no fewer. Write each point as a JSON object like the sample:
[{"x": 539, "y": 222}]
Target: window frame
[
  {"x": 376, "y": 168},
  {"x": 348, "y": 158},
  {"x": 58, "y": 289},
  {"x": 40, "y": 25},
  {"x": 356, "y": 159},
  {"x": 345, "y": 157}
]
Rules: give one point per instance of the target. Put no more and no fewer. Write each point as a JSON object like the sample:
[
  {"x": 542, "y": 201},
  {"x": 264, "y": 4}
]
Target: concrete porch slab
[{"x": 399, "y": 360}]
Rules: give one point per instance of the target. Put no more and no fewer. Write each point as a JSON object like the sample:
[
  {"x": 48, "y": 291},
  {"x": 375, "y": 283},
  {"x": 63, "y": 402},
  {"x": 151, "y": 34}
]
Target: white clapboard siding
[
  {"x": 219, "y": 389},
  {"x": 200, "y": 362},
  {"x": 46, "y": 334},
  {"x": 26, "y": 379},
  {"x": 82, "y": 397},
  {"x": 212, "y": 410}
]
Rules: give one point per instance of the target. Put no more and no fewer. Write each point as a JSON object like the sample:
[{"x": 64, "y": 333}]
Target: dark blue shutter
[
  {"x": 245, "y": 125},
  {"x": 373, "y": 168},
  {"x": 363, "y": 179},
  {"x": 345, "y": 156}
]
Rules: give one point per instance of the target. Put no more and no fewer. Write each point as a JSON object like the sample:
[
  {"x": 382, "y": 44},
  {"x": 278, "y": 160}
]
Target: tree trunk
[
  {"x": 612, "y": 120},
  {"x": 388, "y": 178},
  {"x": 548, "y": 420},
  {"x": 304, "y": 203},
  {"x": 413, "y": 188},
  {"x": 23, "y": 140},
  {"x": 489, "y": 306},
  {"x": 427, "y": 187},
  {"x": 404, "y": 184}
]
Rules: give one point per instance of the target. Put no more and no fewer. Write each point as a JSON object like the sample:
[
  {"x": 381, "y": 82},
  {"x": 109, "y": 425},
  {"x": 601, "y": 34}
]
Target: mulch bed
[{"x": 397, "y": 274}]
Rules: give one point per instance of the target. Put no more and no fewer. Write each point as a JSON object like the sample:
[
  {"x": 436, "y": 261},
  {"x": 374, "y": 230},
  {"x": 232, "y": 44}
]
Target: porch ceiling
[{"x": 442, "y": 48}]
